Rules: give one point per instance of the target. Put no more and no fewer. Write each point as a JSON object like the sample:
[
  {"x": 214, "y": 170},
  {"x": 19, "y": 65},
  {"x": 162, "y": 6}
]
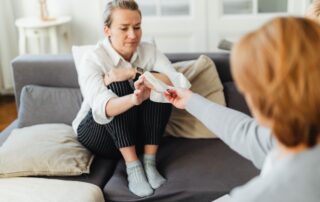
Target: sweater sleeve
[{"x": 239, "y": 131}]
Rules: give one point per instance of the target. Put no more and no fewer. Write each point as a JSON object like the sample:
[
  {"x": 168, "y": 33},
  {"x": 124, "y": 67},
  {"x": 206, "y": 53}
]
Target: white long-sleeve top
[{"x": 96, "y": 63}]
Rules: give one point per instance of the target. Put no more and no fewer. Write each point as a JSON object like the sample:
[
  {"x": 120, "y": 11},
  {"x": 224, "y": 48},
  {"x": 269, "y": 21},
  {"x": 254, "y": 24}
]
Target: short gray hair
[{"x": 122, "y": 4}]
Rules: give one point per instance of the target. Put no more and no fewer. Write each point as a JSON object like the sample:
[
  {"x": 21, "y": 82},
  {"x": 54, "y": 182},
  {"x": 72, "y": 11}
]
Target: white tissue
[{"x": 158, "y": 85}]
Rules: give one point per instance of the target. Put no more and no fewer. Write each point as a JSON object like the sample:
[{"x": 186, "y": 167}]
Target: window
[
  {"x": 272, "y": 6},
  {"x": 148, "y": 8},
  {"x": 237, "y": 6},
  {"x": 254, "y": 6},
  {"x": 164, "y": 7}
]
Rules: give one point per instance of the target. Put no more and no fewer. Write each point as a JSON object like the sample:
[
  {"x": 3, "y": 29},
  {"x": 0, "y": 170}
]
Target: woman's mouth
[{"x": 132, "y": 43}]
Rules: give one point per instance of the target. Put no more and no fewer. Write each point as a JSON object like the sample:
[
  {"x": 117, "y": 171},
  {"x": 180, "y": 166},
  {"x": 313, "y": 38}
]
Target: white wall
[
  {"x": 8, "y": 46},
  {"x": 86, "y": 15},
  {"x": 87, "y": 23}
]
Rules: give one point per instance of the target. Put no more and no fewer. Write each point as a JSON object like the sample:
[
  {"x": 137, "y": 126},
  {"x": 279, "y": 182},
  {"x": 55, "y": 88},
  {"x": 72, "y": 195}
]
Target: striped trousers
[{"x": 141, "y": 125}]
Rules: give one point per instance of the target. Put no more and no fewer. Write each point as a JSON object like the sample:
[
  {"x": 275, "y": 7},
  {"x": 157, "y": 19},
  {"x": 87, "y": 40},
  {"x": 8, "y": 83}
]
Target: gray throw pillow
[{"x": 40, "y": 104}]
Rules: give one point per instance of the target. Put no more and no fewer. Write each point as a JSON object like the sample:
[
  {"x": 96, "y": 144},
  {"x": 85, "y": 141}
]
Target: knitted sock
[
  {"x": 154, "y": 177},
  {"x": 137, "y": 180}
]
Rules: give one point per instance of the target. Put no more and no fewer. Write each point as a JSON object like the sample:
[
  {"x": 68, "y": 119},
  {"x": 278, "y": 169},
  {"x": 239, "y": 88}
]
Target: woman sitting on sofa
[
  {"x": 116, "y": 116},
  {"x": 277, "y": 68}
]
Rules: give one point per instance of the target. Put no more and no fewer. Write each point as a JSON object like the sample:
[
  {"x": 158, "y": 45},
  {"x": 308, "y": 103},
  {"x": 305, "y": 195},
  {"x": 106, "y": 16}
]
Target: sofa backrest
[{"x": 60, "y": 71}]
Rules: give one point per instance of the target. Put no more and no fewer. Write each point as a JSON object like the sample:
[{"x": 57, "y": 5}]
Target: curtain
[{"x": 8, "y": 45}]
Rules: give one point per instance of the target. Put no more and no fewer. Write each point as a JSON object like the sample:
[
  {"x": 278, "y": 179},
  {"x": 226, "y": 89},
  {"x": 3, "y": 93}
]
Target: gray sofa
[{"x": 196, "y": 170}]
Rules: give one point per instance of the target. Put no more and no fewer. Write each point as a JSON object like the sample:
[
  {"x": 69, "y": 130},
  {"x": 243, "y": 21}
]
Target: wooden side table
[{"x": 50, "y": 36}]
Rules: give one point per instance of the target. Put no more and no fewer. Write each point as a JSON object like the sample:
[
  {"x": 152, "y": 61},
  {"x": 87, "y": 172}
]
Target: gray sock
[
  {"x": 154, "y": 177},
  {"x": 137, "y": 180}
]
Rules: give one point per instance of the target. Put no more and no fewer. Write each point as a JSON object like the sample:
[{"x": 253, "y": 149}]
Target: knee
[{"x": 121, "y": 88}]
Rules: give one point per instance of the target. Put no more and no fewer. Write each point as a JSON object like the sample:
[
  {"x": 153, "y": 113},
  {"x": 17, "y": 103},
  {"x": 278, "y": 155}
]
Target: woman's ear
[{"x": 106, "y": 31}]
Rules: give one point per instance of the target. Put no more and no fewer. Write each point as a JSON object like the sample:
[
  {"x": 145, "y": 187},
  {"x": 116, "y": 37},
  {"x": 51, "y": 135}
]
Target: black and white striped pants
[{"x": 140, "y": 125}]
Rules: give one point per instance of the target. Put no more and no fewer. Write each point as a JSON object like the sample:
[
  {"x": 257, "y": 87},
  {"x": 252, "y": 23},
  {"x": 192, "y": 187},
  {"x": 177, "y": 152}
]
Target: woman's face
[{"x": 124, "y": 32}]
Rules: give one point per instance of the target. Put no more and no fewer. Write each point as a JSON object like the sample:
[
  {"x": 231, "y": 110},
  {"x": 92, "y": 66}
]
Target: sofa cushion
[
  {"x": 37, "y": 190},
  {"x": 101, "y": 171},
  {"x": 7, "y": 131},
  {"x": 203, "y": 75},
  {"x": 101, "y": 168},
  {"x": 45, "y": 150},
  {"x": 48, "y": 105},
  {"x": 196, "y": 170}
]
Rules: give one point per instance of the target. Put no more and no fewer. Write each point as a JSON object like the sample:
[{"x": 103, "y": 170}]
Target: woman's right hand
[
  {"x": 119, "y": 74},
  {"x": 178, "y": 97}
]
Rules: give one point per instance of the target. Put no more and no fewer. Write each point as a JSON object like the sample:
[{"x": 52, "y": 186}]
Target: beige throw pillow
[
  {"x": 203, "y": 76},
  {"x": 46, "y": 150}
]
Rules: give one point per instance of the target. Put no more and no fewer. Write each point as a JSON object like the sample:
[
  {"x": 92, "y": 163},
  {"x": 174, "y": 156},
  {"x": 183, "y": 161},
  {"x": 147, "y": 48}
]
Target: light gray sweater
[{"x": 294, "y": 178}]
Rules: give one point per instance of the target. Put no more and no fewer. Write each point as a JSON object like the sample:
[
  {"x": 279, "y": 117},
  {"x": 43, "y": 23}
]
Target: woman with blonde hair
[
  {"x": 120, "y": 116},
  {"x": 278, "y": 70}
]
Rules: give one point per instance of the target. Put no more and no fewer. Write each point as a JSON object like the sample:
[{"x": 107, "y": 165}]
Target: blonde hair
[
  {"x": 278, "y": 66},
  {"x": 118, "y": 4},
  {"x": 313, "y": 11}
]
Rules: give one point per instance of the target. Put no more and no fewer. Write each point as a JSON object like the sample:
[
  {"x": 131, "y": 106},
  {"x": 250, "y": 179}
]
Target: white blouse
[{"x": 96, "y": 63}]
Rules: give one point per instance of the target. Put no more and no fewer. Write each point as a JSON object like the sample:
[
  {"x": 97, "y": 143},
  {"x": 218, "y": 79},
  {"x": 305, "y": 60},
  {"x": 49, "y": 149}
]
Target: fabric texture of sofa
[{"x": 198, "y": 170}]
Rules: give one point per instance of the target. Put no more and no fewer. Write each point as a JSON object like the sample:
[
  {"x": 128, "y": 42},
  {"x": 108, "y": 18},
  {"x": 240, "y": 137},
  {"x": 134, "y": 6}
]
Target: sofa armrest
[{"x": 44, "y": 70}]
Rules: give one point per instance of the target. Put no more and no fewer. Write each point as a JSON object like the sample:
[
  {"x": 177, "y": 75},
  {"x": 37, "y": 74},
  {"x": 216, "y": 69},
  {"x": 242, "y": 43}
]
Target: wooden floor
[{"x": 8, "y": 111}]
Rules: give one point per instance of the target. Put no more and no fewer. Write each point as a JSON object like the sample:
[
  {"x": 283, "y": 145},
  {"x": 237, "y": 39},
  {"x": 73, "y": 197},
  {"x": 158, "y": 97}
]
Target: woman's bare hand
[{"x": 179, "y": 97}]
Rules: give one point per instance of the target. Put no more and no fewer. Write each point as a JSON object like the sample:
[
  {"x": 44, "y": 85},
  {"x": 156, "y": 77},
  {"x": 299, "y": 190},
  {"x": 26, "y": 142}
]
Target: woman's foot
[
  {"x": 154, "y": 177},
  {"x": 137, "y": 180}
]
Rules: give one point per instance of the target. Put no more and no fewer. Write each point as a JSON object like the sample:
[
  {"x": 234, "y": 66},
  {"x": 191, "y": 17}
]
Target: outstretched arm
[{"x": 239, "y": 131}]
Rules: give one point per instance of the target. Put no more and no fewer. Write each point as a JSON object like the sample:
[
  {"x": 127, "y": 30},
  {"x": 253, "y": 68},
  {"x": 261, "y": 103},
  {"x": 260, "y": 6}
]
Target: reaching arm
[
  {"x": 239, "y": 131},
  {"x": 236, "y": 129}
]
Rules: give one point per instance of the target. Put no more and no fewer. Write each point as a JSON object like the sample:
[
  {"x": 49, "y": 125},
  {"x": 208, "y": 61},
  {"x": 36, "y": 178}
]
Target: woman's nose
[{"x": 132, "y": 34}]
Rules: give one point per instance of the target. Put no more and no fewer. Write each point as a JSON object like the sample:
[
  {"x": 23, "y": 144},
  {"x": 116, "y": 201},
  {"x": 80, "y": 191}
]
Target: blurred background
[{"x": 53, "y": 26}]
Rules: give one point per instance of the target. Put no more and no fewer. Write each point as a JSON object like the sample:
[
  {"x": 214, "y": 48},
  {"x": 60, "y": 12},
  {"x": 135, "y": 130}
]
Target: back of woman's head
[
  {"x": 118, "y": 4},
  {"x": 278, "y": 67}
]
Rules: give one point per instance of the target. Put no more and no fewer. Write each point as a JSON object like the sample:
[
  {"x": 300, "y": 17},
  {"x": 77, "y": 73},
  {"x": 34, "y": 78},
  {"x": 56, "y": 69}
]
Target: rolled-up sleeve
[
  {"x": 99, "y": 107},
  {"x": 163, "y": 65},
  {"x": 93, "y": 89}
]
